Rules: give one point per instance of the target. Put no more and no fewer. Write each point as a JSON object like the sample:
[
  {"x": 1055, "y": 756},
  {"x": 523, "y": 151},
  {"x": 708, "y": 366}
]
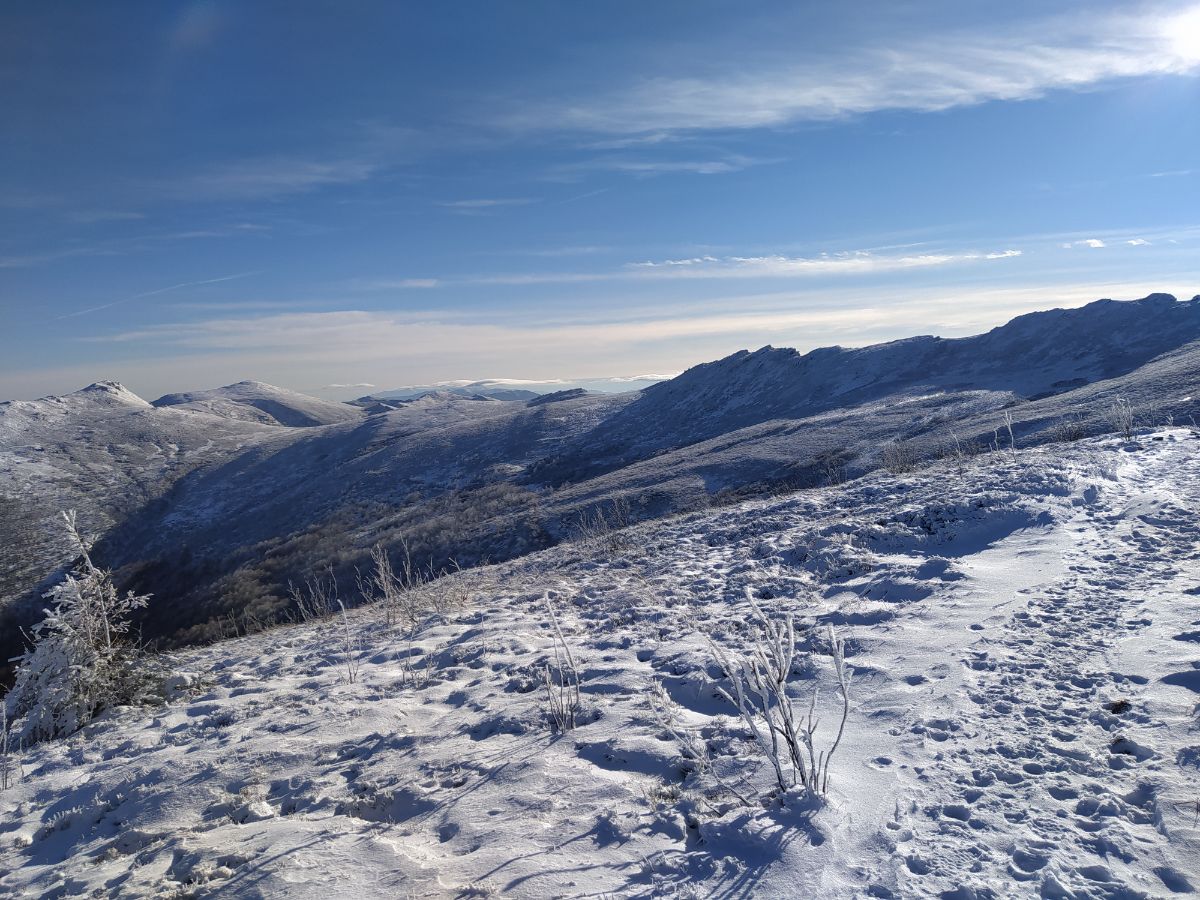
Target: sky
[{"x": 333, "y": 197}]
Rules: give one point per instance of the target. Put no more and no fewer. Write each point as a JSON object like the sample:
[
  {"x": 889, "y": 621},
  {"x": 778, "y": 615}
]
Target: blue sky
[{"x": 320, "y": 194}]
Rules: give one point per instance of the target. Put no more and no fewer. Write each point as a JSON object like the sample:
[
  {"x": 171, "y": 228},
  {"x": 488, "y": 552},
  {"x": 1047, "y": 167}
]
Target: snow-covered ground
[{"x": 1024, "y": 633}]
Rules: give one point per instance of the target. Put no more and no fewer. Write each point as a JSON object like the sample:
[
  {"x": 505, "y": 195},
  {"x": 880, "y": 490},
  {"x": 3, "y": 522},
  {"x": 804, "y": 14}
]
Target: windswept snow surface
[{"x": 1024, "y": 633}]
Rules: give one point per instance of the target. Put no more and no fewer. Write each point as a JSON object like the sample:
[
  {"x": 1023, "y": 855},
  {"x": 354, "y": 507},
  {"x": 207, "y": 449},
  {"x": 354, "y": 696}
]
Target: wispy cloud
[
  {"x": 370, "y": 337},
  {"x": 394, "y": 284},
  {"x": 583, "y": 196},
  {"x": 28, "y": 260},
  {"x": 576, "y": 250},
  {"x": 92, "y": 216},
  {"x": 369, "y": 149},
  {"x": 928, "y": 73},
  {"x": 154, "y": 293},
  {"x": 647, "y": 168},
  {"x": 860, "y": 262},
  {"x": 638, "y": 140},
  {"x": 126, "y": 245},
  {"x": 357, "y": 384},
  {"x": 259, "y": 179},
  {"x": 481, "y": 206}
]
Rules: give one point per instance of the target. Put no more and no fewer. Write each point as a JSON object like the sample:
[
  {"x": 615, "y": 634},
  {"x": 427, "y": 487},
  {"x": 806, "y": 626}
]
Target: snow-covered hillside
[
  {"x": 104, "y": 451},
  {"x": 257, "y": 401},
  {"x": 1034, "y": 355},
  {"x": 467, "y": 478},
  {"x": 1022, "y": 630}
]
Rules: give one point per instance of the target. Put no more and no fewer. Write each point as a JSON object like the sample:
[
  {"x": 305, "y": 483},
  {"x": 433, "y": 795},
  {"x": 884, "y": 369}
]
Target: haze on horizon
[{"x": 323, "y": 198}]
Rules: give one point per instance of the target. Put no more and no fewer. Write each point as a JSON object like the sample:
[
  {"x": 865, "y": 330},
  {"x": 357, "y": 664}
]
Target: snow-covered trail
[{"x": 1058, "y": 766}]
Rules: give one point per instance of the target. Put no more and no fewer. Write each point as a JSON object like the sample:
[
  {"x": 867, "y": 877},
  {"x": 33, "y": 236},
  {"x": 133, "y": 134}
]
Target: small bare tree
[
  {"x": 759, "y": 681},
  {"x": 561, "y": 684},
  {"x": 1012, "y": 438},
  {"x": 350, "y": 648},
  {"x": 79, "y": 663},
  {"x": 317, "y": 598}
]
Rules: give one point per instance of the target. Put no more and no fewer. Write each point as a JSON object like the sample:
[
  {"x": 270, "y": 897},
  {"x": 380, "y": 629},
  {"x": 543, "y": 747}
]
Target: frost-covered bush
[
  {"x": 1120, "y": 417},
  {"x": 898, "y": 457},
  {"x": 8, "y": 763},
  {"x": 782, "y": 733},
  {"x": 561, "y": 697},
  {"x": 603, "y": 527},
  {"x": 1071, "y": 428},
  {"x": 78, "y": 663}
]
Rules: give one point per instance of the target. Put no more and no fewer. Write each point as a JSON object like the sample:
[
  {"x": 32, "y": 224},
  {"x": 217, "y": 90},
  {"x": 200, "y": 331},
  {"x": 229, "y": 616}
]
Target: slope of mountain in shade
[{"x": 256, "y": 401}]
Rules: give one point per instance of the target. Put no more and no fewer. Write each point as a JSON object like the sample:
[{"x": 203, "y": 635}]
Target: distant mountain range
[{"x": 214, "y": 500}]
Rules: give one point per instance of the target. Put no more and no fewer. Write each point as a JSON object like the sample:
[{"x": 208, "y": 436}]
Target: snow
[
  {"x": 104, "y": 451},
  {"x": 258, "y": 401},
  {"x": 211, "y": 487},
  {"x": 1022, "y": 630}
]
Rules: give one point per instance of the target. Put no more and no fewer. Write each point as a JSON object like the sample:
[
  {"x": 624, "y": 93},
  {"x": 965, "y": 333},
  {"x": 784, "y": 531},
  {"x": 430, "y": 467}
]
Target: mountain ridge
[{"x": 463, "y": 480}]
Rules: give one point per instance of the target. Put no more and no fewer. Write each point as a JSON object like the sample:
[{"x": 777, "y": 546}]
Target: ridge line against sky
[{"x": 188, "y": 177}]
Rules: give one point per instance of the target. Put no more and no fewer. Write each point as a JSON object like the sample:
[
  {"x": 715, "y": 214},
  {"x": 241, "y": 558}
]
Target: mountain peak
[
  {"x": 262, "y": 402},
  {"x": 251, "y": 383},
  {"x": 110, "y": 391}
]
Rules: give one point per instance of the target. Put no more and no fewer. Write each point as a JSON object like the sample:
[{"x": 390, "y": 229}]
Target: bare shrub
[
  {"x": 1069, "y": 429},
  {"x": 561, "y": 683},
  {"x": 694, "y": 750},
  {"x": 317, "y": 598},
  {"x": 1120, "y": 418},
  {"x": 602, "y": 527},
  {"x": 349, "y": 645},
  {"x": 831, "y": 465},
  {"x": 759, "y": 681},
  {"x": 1012, "y": 438},
  {"x": 958, "y": 451},
  {"x": 410, "y": 594},
  {"x": 898, "y": 456}
]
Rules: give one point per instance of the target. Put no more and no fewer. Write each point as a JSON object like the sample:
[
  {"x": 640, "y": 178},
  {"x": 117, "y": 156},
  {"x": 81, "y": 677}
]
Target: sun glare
[{"x": 1183, "y": 33}]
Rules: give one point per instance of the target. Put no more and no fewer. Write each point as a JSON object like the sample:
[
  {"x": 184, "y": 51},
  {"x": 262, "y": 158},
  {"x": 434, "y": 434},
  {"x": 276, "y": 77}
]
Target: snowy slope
[
  {"x": 104, "y": 451},
  {"x": 1022, "y": 631},
  {"x": 257, "y": 401},
  {"x": 510, "y": 389},
  {"x": 1035, "y": 354},
  {"x": 467, "y": 479}
]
